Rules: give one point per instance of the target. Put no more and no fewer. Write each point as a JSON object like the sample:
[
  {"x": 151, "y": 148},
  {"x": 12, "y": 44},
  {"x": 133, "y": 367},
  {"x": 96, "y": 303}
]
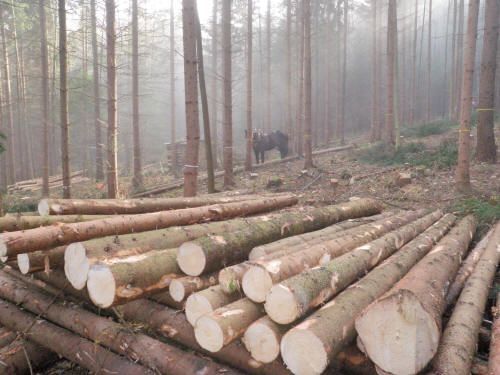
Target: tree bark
[
  {"x": 217, "y": 329},
  {"x": 14, "y": 243},
  {"x": 421, "y": 295},
  {"x": 391, "y": 87},
  {"x": 67, "y": 344},
  {"x": 41, "y": 261},
  {"x": 210, "y": 253},
  {"x": 295, "y": 297},
  {"x": 173, "y": 106},
  {"x": 375, "y": 104},
  {"x": 429, "y": 65},
  {"x": 135, "y": 346},
  {"x": 214, "y": 81},
  {"x": 460, "y": 61},
  {"x": 6, "y": 337},
  {"x": 486, "y": 150},
  {"x": 137, "y": 181},
  {"x": 459, "y": 341},
  {"x": 191, "y": 94},
  {"x": 249, "y": 125},
  {"x": 341, "y": 125},
  {"x": 228, "y": 94},
  {"x": 173, "y": 325},
  {"x": 300, "y": 73},
  {"x": 267, "y": 121},
  {"x": 289, "y": 118},
  {"x": 19, "y": 223},
  {"x": 494, "y": 360},
  {"x": 453, "y": 84},
  {"x": 314, "y": 343},
  {"x": 463, "y": 165},
  {"x": 112, "y": 152},
  {"x": 23, "y": 356},
  {"x": 182, "y": 287},
  {"x": 308, "y": 162},
  {"x": 206, "y": 301},
  {"x": 259, "y": 279}
]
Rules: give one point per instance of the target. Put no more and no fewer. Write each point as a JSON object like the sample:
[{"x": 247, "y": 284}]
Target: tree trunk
[
  {"x": 391, "y": 57},
  {"x": 463, "y": 165},
  {"x": 41, "y": 261},
  {"x": 494, "y": 360},
  {"x": 214, "y": 81},
  {"x": 460, "y": 61},
  {"x": 413, "y": 83},
  {"x": 112, "y": 152},
  {"x": 424, "y": 297},
  {"x": 6, "y": 337},
  {"x": 182, "y": 287},
  {"x": 173, "y": 106},
  {"x": 262, "y": 339},
  {"x": 308, "y": 162},
  {"x": 212, "y": 252},
  {"x": 486, "y": 150},
  {"x": 65, "y": 343},
  {"x": 23, "y": 356},
  {"x": 296, "y": 296},
  {"x": 120, "y": 280},
  {"x": 63, "y": 98},
  {"x": 429, "y": 65},
  {"x": 219, "y": 328},
  {"x": 258, "y": 280},
  {"x": 206, "y": 301},
  {"x": 290, "y": 131},
  {"x": 313, "y": 344},
  {"x": 14, "y": 243},
  {"x": 45, "y": 99},
  {"x": 191, "y": 94},
  {"x": 453, "y": 84},
  {"x": 18, "y": 223},
  {"x": 300, "y": 73},
  {"x": 459, "y": 342},
  {"x": 341, "y": 125},
  {"x": 136, "y": 346},
  {"x": 466, "y": 268},
  {"x": 173, "y": 325},
  {"x": 267, "y": 121},
  {"x": 228, "y": 107},
  {"x": 249, "y": 128},
  {"x": 126, "y": 206},
  {"x": 99, "y": 169},
  {"x": 204, "y": 106},
  {"x": 137, "y": 181},
  {"x": 375, "y": 109}
]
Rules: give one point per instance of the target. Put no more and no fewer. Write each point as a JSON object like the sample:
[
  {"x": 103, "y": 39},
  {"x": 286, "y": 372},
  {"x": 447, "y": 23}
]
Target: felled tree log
[
  {"x": 262, "y": 339},
  {"x": 414, "y": 304},
  {"x": 14, "y": 223},
  {"x": 259, "y": 279},
  {"x": 313, "y": 344},
  {"x": 138, "y": 347},
  {"x": 230, "y": 277},
  {"x": 119, "y": 280},
  {"x": 47, "y": 260},
  {"x": 23, "y": 356},
  {"x": 181, "y": 288},
  {"x": 130, "y": 206},
  {"x": 173, "y": 325},
  {"x": 57, "y": 280},
  {"x": 217, "y": 329},
  {"x": 459, "y": 341},
  {"x": 466, "y": 269},
  {"x": 294, "y": 297},
  {"x": 13, "y": 243},
  {"x": 206, "y": 301},
  {"x": 494, "y": 360},
  {"x": 208, "y": 253},
  {"x": 70, "y": 346},
  {"x": 6, "y": 336}
]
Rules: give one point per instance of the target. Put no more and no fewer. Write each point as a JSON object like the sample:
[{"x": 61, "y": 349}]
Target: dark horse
[{"x": 265, "y": 142}]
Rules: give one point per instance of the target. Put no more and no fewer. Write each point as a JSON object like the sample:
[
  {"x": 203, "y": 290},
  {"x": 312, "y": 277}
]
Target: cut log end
[
  {"x": 209, "y": 334},
  {"x": 398, "y": 334},
  {"x": 23, "y": 262},
  {"x": 256, "y": 284},
  {"x": 177, "y": 290},
  {"x": 191, "y": 259},
  {"x": 44, "y": 207},
  {"x": 303, "y": 352},
  {"x": 101, "y": 286},
  {"x": 3, "y": 249},
  {"x": 197, "y": 306},
  {"x": 76, "y": 265},
  {"x": 261, "y": 342},
  {"x": 281, "y": 305}
]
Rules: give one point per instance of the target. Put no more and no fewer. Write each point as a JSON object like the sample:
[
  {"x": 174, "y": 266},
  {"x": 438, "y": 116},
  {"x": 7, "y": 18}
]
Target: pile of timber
[
  {"x": 302, "y": 290},
  {"x": 37, "y": 183}
]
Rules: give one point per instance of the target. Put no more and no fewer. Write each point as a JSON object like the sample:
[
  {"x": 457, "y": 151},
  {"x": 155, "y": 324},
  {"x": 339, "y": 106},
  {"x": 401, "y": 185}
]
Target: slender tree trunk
[
  {"x": 391, "y": 33},
  {"x": 460, "y": 59},
  {"x": 344, "y": 75},
  {"x": 308, "y": 162},
  {"x": 45, "y": 99},
  {"x": 63, "y": 93},
  {"x": 446, "y": 60},
  {"x": 453, "y": 84},
  {"x": 99, "y": 171},
  {"x": 249, "y": 131},
  {"x": 204, "y": 105},
  {"x": 375, "y": 104},
  {"x": 429, "y": 65},
  {"x": 137, "y": 179},
  {"x": 11, "y": 141},
  {"x": 228, "y": 107},
  {"x": 289, "y": 117},
  {"x": 462, "y": 172},
  {"x": 215, "y": 79},
  {"x": 112, "y": 152},
  {"x": 486, "y": 148},
  {"x": 191, "y": 92},
  {"x": 267, "y": 126},
  {"x": 300, "y": 96},
  {"x": 173, "y": 123}
]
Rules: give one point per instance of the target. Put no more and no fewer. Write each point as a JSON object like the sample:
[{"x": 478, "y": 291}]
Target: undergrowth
[
  {"x": 487, "y": 210},
  {"x": 428, "y": 129}
]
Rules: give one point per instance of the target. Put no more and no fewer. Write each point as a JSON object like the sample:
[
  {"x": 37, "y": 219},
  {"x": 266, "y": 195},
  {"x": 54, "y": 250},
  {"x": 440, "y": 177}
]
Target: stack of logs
[
  {"x": 347, "y": 287},
  {"x": 30, "y": 186}
]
